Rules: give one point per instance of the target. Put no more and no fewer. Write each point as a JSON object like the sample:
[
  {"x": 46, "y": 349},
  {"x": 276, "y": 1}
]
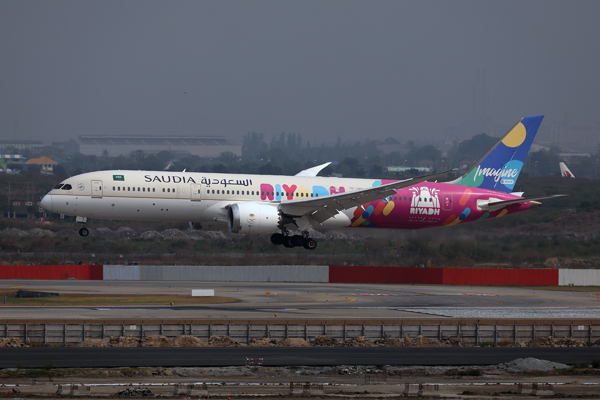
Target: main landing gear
[
  {"x": 84, "y": 231},
  {"x": 294, "y": 241}
]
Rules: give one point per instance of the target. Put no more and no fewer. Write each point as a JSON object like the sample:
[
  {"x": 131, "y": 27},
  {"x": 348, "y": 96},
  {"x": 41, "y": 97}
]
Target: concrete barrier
[
  {"x": 308, "y": 273},
  {"x": 121, "y": 273},
  {"x": 578, "y": 277}
]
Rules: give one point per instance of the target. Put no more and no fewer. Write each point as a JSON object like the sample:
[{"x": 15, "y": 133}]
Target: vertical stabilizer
[
  {"x": 565, "y": 171},
  {"x": 500, "y": 167}
]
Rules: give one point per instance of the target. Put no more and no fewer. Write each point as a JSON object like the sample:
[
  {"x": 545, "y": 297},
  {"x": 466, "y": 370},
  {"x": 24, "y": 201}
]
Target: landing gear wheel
[
  {"x": 297, "y": 240},
  {"x": 310, "y": 244},
  {"x": 287, "y": 242},
  {"x": 277, "y": 238},
  {"x": 84, "y": 231}
]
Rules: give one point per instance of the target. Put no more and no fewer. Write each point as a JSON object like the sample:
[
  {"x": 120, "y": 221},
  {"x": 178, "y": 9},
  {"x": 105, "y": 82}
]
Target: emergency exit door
[
  {"x": 97, "y": 189},
  {"x": 447, "y": 201},
  {"x": 196, "y": 192}
]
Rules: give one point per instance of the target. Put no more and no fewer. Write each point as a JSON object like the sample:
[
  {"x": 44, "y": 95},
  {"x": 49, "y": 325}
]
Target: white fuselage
[{"x": 187, "y": 196}]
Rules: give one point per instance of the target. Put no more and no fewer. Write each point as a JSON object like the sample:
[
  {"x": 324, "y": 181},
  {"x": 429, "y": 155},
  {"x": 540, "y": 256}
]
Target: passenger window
[
  {"x": 409, "y": 198},
  {"x": 118, "y": 188},
  {"x": 228, "y": 192},
  {"x": 238, "y": 192},
  {"x": 262, "y": 193},
  {"x": 163, "y": 190},
  {"x": 154, "y": 189},
  {"x": 113, "y": 188},
  {"x": 312, "y": 195},
  {"x": 138, "y": 189}
]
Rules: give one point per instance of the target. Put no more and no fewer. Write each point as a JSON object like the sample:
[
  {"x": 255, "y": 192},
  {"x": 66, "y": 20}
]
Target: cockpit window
[
  {"x": 59, "y": 186},
  {"x": 67, "y": 187}
]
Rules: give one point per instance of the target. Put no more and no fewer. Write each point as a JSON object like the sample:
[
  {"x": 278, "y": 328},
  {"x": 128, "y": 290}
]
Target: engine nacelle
[{"x": 253, "y": 217}]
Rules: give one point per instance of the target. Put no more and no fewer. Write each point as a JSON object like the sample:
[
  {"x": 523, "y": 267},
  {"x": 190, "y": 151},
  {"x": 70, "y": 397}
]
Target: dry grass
[{"x": 84, "y": 299}]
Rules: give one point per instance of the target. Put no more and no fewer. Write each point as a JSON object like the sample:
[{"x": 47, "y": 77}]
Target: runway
[
  {"x": 73, "y": 357},
  {"x": 312, "y": 301}
]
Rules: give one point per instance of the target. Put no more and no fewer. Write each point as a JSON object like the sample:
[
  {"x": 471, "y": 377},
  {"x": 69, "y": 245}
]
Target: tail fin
[
  {"x": 565, "y": 171},
  {"x": 499, "y": 168}
]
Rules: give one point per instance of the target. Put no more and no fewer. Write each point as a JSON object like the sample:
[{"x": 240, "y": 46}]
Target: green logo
[{"x": 118, "y": 177}]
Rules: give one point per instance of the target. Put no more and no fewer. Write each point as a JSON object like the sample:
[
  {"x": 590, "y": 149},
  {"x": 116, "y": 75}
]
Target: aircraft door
[
  {"x": 447, "y": 202},
  {"x": 97, "y": 189},
  {"x": 195, "y": 192}
]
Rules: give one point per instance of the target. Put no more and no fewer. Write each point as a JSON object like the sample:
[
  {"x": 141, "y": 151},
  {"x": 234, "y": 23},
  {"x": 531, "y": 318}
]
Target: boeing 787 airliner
[{"x": 280, "y": 205}]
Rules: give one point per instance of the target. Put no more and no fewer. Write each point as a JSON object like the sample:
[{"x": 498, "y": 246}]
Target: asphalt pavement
[{"x": 81, "y": 357}]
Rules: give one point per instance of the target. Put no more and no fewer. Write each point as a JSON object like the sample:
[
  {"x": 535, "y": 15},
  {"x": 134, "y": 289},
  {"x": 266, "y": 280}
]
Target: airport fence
[{"x": 501, "y": 334}]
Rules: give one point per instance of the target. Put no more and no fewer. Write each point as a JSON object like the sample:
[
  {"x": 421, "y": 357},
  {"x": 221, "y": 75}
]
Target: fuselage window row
[{"x": 118, "y": 189}]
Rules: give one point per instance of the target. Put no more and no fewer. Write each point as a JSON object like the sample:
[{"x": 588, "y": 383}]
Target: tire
[
  {"x": 287, "y": 242},
  {"x": 84, "y": 232},
  {"x": 297, "y": 240},
  {"x": 277, "y": 238},
  {"x": 310, "y": 244}
]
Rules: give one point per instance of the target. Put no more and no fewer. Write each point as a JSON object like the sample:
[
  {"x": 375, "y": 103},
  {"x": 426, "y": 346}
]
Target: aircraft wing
[
  {"x": 323, "y": 208},
  {"x": 493, "y": 205},
  {"x": 313, "y": 171}
]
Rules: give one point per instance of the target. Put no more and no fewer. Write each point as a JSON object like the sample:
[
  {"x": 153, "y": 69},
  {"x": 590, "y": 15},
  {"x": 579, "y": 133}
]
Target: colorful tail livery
[{"x": 499, "y": 168}]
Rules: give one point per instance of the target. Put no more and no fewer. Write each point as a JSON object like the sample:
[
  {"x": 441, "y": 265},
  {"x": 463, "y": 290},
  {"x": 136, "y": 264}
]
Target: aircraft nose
[{"x": 47, "y": 202}]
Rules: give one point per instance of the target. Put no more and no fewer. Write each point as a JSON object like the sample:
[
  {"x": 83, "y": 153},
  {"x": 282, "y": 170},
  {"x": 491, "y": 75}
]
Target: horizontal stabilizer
[{"x": 495, "y": 204}]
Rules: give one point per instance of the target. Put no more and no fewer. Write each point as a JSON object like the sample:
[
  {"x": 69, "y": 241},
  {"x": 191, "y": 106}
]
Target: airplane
[
  {"x": 565, "y": 171},
  {"x": 280, "y": 205}
]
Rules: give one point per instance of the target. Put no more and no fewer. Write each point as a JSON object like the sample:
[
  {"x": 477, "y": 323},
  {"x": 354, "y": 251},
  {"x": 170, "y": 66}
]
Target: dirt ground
[
  {"x": 342, "y": 382},
  {"x": 319, "y": 341}
]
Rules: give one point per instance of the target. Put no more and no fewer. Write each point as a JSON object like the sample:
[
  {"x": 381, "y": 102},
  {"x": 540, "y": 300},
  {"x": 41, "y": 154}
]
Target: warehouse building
[{"x": 203, "y": 146}]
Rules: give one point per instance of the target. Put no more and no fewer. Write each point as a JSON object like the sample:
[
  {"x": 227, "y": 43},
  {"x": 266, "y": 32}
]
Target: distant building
[
  {"x": 20, "y": 144},
  {"x": 9, "y": 161},
  {"x": 47, "y": 164},
  {"x": 203, "y": 146}
]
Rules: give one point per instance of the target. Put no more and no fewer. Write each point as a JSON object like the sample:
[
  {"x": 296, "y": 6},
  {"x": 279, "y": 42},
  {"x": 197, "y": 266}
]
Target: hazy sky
[{"x": 355, "y": 69}]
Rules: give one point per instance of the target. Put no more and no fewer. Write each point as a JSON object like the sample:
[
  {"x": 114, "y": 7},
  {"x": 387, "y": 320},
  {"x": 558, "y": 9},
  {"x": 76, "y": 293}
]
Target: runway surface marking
[
  {"x": 480, "y": 294},
  {"x": 375, "y": 294}
]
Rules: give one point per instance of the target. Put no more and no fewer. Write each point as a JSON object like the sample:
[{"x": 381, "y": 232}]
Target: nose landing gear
[
  {"x": 290, "y": 241},
  {"x": 84, "y": 231}
]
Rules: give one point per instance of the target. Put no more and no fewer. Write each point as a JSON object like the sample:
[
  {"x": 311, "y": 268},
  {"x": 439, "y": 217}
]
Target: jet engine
[{"x": 253, "y": 217}]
